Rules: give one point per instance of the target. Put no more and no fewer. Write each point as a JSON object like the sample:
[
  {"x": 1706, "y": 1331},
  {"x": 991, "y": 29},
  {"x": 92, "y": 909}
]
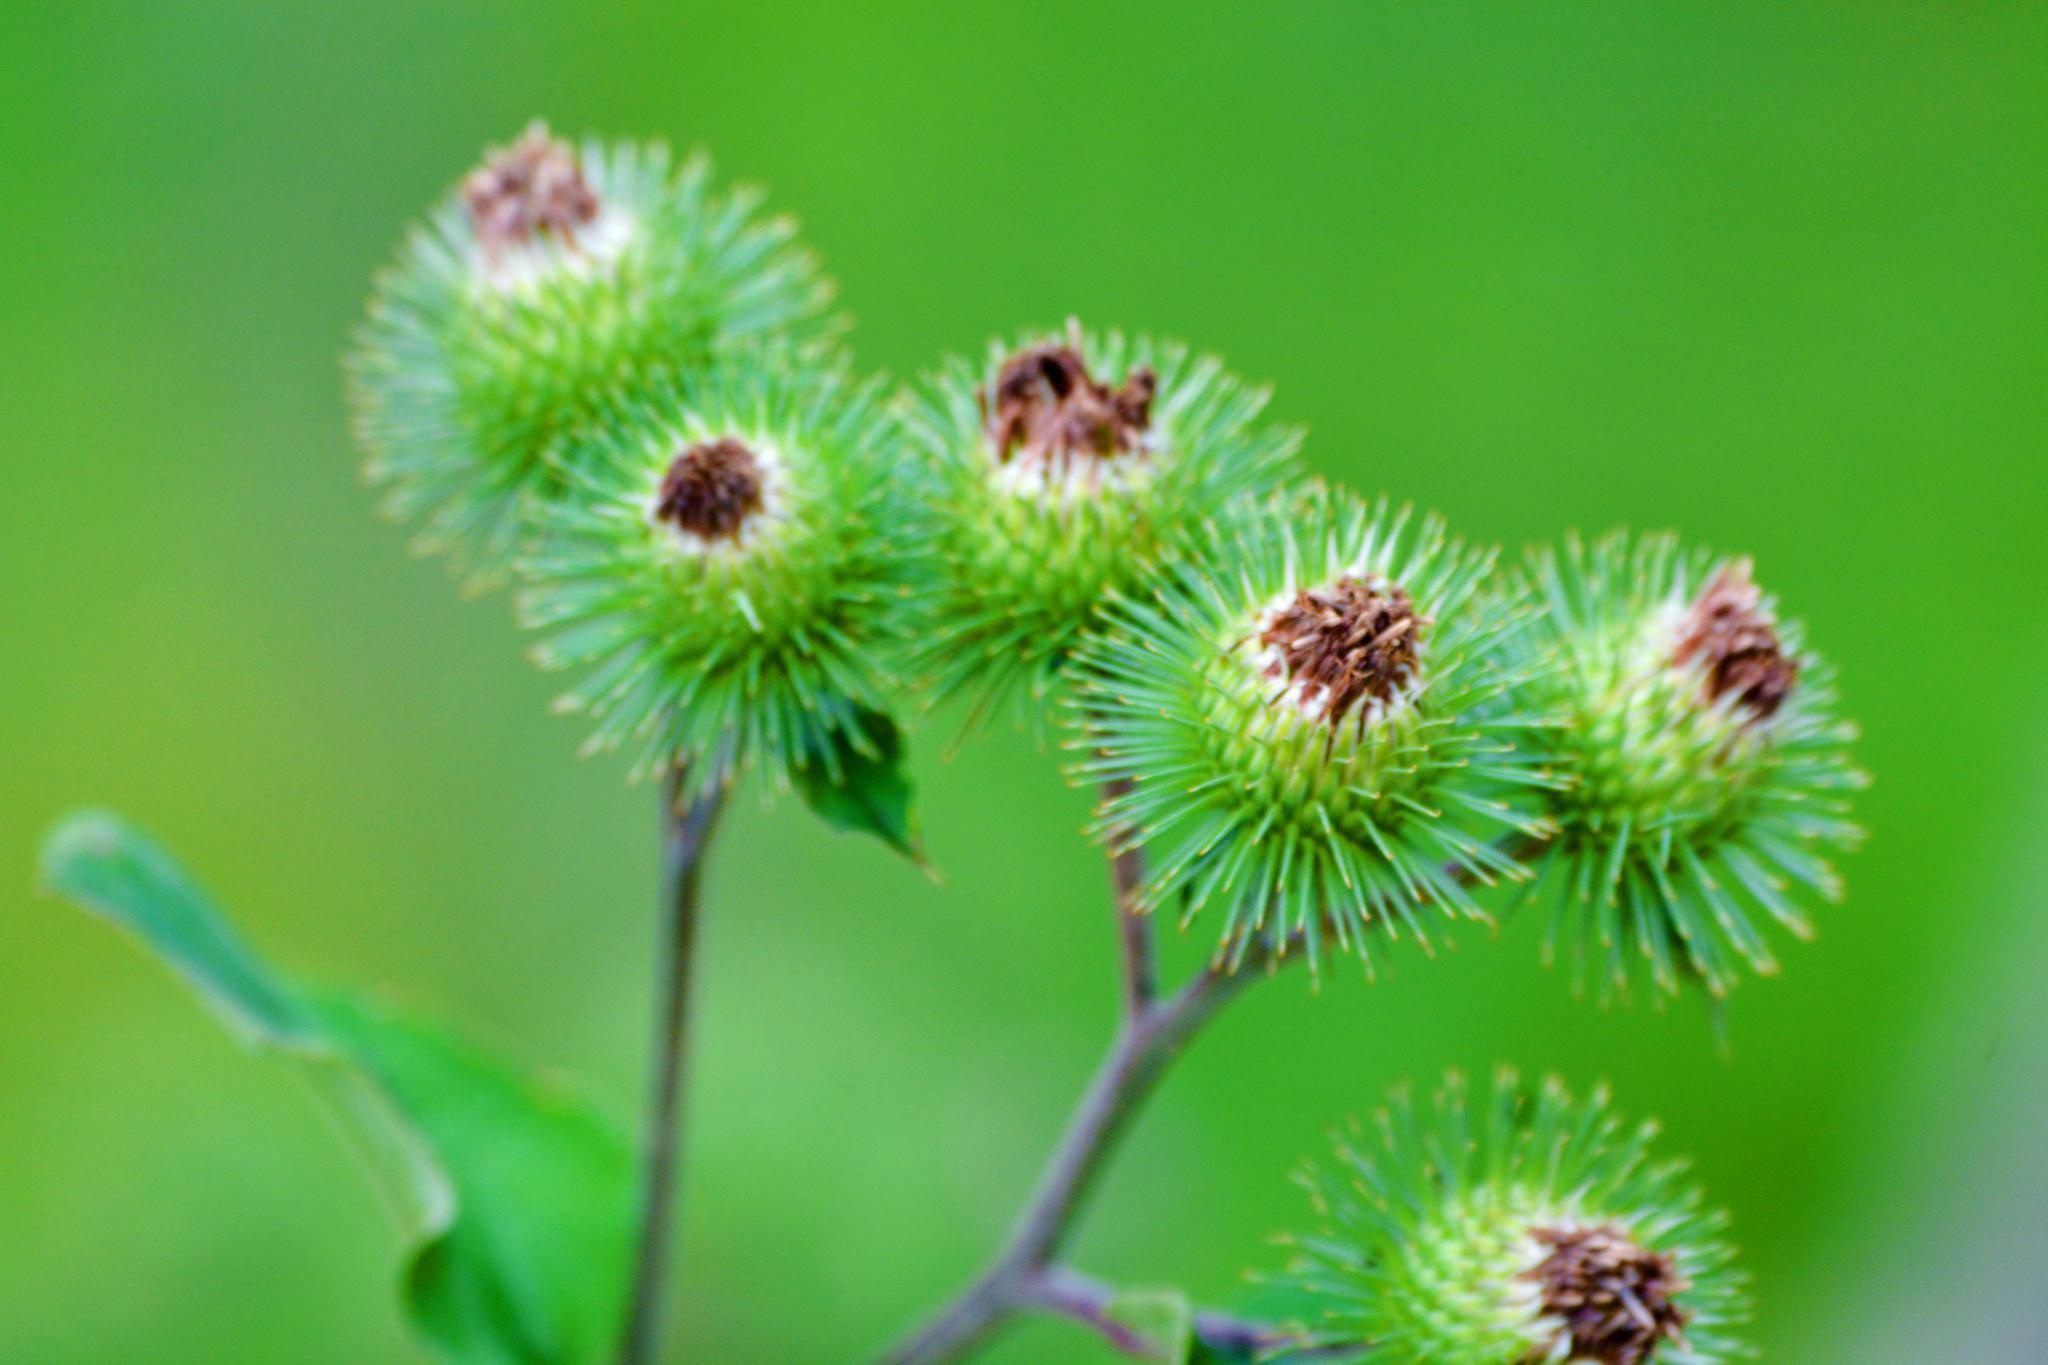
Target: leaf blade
[
  {"x": 516, "y": 1199},
  {"x": 863, "y": 788},
  {"x": 99, "y": 862},
  {"x": 1163, "y": 1317}
]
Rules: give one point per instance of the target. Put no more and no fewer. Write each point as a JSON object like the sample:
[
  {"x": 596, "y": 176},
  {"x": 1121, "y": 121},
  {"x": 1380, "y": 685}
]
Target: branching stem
[
  {"x": 1065, "y": 1292},
  {"x": 687, "y": 826},
  {"x": 1026, "y": 1274},
  {"x": 1145, "y": 1046}
]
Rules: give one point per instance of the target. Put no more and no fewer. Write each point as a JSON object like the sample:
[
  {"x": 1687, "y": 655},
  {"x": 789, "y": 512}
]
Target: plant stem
[
  {"x": 1066, "y": 1292},
  {"x": 1152, "y": 1035},
  {"x": 1145, "y": 1046},
  {"x": 1134, "y": 930},
  {"x": 687, "y": 825}
]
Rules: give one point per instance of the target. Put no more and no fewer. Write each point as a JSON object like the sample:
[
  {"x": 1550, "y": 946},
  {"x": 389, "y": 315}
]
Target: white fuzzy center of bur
[
  {"x": 1033, "y": 474},
  {"x": 545, "y": 257}
]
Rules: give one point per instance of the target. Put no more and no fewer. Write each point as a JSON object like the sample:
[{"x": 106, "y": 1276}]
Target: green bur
[
  {"x": 486, "y": 347},
  {"x": 1686, "y": 821},
  {"x": 1286, "y": 818},
  {"x": 1437, "y": 1223},
  {"x": 1026, "y": 541},
  {"x": 768, "y": 641}
]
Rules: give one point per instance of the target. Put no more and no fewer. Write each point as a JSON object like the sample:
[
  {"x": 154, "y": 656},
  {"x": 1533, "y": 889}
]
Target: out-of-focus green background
[{"x": 1772, "y": 273}]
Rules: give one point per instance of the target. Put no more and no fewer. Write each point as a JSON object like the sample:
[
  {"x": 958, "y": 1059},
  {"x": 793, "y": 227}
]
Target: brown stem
[{"x": 687, "y": 824}]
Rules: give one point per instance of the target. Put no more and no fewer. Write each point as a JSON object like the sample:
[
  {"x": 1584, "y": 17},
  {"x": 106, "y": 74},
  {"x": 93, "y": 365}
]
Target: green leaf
[
  {"x": 864, "y": 790},
  {"x": 516, "y": 1200},
  {"x": 1163, "y": 1317}
]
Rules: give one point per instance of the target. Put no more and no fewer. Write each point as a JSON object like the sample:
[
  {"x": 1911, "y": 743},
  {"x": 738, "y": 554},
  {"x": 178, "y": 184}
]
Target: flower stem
[
  {"x": 687, "y": 823},
  {"x": 1065, "y": 1292},
  {"x": 1153, "y": 1033},
  {"x": 1134, "y": 930},
  {"x": 1145, "y": 1046}
]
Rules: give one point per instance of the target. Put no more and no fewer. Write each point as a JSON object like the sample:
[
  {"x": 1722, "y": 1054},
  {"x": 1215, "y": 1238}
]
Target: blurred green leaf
[
  {"x": 1163, "y": 1317},
  {"x": 517, "y": 1201},
  {"x": 867, "y": 792}
]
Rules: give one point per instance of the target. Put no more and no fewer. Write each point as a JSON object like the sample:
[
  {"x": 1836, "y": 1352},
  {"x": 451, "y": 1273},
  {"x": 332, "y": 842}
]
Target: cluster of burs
[{"x": 1331, "y": 724}]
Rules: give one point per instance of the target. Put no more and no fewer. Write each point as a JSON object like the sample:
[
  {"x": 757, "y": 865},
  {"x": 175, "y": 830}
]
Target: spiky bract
[
  {"x": 723, "y": 565},
  {"x": 1706, "y": 771},
  {"x": 1528, "y": 1229},
  {"x": 1031, "y": 524},
  {"x": 491, "y": 339},
  {"x": 1309, "y": 727}
]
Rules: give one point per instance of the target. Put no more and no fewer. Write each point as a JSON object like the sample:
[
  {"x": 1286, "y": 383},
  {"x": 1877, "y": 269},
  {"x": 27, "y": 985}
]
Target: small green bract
[
  {"x": 1706, "y": 771},
  {"x": 552, "y": 281},
  {"x": 1535, "y": 1230},
  {"x": 719, "y": 564},
  {"x": 1059, "y": 471},
  {"x": 1309, "y": 726}
]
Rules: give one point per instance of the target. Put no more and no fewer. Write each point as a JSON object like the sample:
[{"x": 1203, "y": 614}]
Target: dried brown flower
[
  {"x": 1345, "y": 644},
  {"x": 711, "y": 489},
  {"x": 1046, "y": 404},
  {"x": 531, "y": 188},
  {"x": 1728, "y": 634},
  {"x": 1615, "y": 1299}
]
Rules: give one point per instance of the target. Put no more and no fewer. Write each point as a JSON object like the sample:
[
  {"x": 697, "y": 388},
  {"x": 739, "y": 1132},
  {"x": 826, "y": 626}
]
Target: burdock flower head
[
  {"x": 1705, "y": 771},
  {"x": 1063, "y": 469},
  {"x": 1535, "y": 1229},
  {"x": 721, "y": 565},
  {"x": 1307, "y": 727},
  {"x": 552, "y": 280}
]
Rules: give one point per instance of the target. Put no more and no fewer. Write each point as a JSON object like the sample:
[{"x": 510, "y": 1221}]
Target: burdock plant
[
  {"x": 1311, "y": 727},
  {"x": 1523, "y": 1227},
  {"x": 1067, "y": 467},
  {"x": 553, "y": 278},
  {"x": 1318, "y": 723},
  {"x": 1707, "y": 770},
  {"x": 718, "y": 568}
]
